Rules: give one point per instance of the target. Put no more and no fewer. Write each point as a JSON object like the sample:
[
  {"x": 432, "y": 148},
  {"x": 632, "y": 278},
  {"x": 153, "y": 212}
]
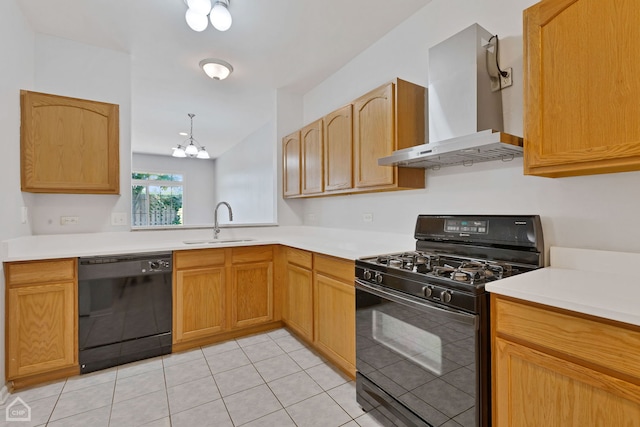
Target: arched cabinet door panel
[
  {"x": 69, "y": 145},
  {"x": 581, "y": 87}
]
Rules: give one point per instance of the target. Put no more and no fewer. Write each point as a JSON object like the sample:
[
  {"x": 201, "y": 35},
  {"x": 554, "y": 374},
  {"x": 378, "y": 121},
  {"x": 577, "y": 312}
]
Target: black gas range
[{"x": 422, "y": 317}]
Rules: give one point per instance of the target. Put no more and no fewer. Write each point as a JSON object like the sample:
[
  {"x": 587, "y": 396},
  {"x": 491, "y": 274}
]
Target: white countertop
[
  {"x": 340, "y": 243},
  {"x": 580, "y": 280}
]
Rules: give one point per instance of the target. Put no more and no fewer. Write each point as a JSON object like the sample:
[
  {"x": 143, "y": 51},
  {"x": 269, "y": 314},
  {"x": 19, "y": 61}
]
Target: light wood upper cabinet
[
  {"x": 251, "y": 286},
  {"x": 557, "y": 368},
  {"x": 386, "y": 119},
  {"x": 338, "y": 149},
  {"x": 69, "y": 145},
  {"x": 581, "y": 87},
  {"x": 352, "y": 139},
  {"x": 312, "y": 164},
  {"x": 42, "y": 315},
  {"x": 291, "y": 159},
  {"x": 374, "y": 137}
]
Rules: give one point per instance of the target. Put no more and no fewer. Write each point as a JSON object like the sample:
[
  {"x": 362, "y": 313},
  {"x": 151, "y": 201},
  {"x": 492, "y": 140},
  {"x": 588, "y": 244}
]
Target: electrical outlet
[
  {"x": 69, "y": 220},
  {"x": 25, "y": 215},
  {"x": 311, "y": 218},
  {"x": 504, "y": 81},
  {"x": 118, "y": 218},
  {"x": 367, "y": 217}
]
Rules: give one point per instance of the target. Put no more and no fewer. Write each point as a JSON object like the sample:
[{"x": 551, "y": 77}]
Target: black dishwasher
[{"x": 124, "y": 304}]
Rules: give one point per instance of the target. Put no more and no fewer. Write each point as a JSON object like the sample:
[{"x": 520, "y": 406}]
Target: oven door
[{"x": 417, "y": 363}]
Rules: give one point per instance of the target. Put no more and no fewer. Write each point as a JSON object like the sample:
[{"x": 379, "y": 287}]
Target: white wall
[
  {"x": 198, "y": 200},
  {"x": 16, "y": 72},
  {"x": 64, "y": 67},
  {"x": 598, "y": 211},
  {"x": 246, "y": 177}
]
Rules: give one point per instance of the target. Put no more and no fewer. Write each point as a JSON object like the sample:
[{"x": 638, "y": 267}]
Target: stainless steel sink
[{"x": 215, "y": 242}]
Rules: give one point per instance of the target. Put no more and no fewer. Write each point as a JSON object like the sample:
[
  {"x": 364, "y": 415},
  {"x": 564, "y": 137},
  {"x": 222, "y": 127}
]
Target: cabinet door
[
  {"x": 69, "y": 145},
  {"x": 581, "y": 87},
  {"x": 251, "y": 294},
  {"x": 311, "y": 141},
  {"x": 42, "y": 334},
  {"x": 338, "y": 150},
  {"x": 374, "y": 137},
  {"x": 334, "y": 323},
  {"x": 532, "y": 388},
  {"x": 299, "y": 309},
  {"x": 199, "y": 303},
  {"x": 291, "y": 164}
]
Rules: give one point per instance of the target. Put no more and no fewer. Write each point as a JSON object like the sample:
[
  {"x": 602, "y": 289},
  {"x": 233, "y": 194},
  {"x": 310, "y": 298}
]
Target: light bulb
[
  {"x": 179, "y": 152},
  {"x": 201, "y": 7},
  {"x": 191, "y": 150},
  {"x": 220, "y": 16},
  {"x": 202, "y": 154},
  {"x": 196, "y": 21}
]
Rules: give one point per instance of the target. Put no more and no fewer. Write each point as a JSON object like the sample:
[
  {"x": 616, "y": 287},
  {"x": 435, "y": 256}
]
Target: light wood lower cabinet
[
  {"x": 558, "y": 368},
  {"x": 320, "y": 304},
  {"x": 42, "y": 320},
  {"x": 335, "y": 311},
  {"x": 251, "y": 286},
  {"x": 219, "y": 293},
  {"x": 298, "y": 313}
]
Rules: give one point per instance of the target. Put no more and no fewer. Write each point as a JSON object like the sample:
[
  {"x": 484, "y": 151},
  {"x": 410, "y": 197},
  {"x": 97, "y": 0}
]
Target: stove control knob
[
  {"x": 445, "y": 296},
  {"x": 367, "y": 275},
  {"x": 428, "y": 291},
  {"x": 378, "y": 278}
]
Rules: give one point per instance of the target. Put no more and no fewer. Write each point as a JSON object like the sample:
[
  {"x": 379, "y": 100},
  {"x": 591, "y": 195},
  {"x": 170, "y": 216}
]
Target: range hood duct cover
[{"x": 465, "y": 115}]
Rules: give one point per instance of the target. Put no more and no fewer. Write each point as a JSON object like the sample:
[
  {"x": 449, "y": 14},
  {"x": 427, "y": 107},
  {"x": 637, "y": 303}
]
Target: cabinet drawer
[
  {"x": 604, "y": 343},
  {"x": 18, "y": 273},
  {"x": 245, "y": 254},
  {"x": 299, "y": 257},
  {"x": 336, "y": 267},
  {"x": 197, "y": 258}
]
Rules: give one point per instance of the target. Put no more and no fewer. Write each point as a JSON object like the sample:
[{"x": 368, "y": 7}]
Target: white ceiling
[{"x": 272, "y": 44}]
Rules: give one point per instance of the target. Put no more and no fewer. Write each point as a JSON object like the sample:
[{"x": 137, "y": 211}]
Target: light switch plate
[
  {"x": 118, "y": 218},
  {"x": 69, "y": 220}
]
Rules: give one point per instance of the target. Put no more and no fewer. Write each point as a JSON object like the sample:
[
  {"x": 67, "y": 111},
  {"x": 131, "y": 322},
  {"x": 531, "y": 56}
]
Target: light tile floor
[{"x": 269, "y": 379}]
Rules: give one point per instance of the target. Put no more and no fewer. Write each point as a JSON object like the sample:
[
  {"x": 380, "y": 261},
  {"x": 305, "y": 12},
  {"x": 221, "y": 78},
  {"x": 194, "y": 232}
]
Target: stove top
[
  {"x": 456, "y": 256},
  {"x": 445, "y": 266}
]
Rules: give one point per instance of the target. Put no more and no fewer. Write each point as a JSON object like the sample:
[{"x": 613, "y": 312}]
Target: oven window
[
  {"x": 424, "y": 358},
  {"x": 415, "y": 344}
]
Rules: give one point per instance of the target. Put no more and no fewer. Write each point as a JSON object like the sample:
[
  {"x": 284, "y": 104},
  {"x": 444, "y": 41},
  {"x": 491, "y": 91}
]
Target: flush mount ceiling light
[
  {"x": 201, "y": 11},
  {"x": 191, "y": 147},
  {"x": 216, "y": 68}
]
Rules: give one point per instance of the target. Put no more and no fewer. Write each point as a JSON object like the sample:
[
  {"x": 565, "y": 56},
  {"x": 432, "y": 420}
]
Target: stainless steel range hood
[
  {"x": 465, "y": 115},
  {"x": 465, "y": 150}
]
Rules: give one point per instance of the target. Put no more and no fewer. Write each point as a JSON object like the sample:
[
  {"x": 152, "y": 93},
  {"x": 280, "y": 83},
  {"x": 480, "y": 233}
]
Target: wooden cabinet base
[
  {"x": 346, "y": 368},
  {"x": 554, "y": 367},
  {"x": 19, "y": 383},
  {"x": 224, "y": 336}
]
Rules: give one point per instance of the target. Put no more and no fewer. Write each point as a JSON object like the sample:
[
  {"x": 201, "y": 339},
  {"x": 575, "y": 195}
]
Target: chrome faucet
[{"x": 216, "y": 227}]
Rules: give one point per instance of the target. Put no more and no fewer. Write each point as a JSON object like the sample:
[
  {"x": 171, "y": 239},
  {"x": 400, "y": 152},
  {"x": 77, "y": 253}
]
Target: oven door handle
[{"x": 422, "y": 305}]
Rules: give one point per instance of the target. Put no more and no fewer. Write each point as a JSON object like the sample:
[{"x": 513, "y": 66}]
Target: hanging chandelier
[
  {"x": 191, "y": 147},
  {"x": 200, "y": 12}
]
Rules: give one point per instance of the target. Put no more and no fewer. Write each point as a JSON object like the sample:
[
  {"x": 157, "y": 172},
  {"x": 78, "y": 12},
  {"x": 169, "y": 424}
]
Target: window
[{"x": 156, "y": 199}]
